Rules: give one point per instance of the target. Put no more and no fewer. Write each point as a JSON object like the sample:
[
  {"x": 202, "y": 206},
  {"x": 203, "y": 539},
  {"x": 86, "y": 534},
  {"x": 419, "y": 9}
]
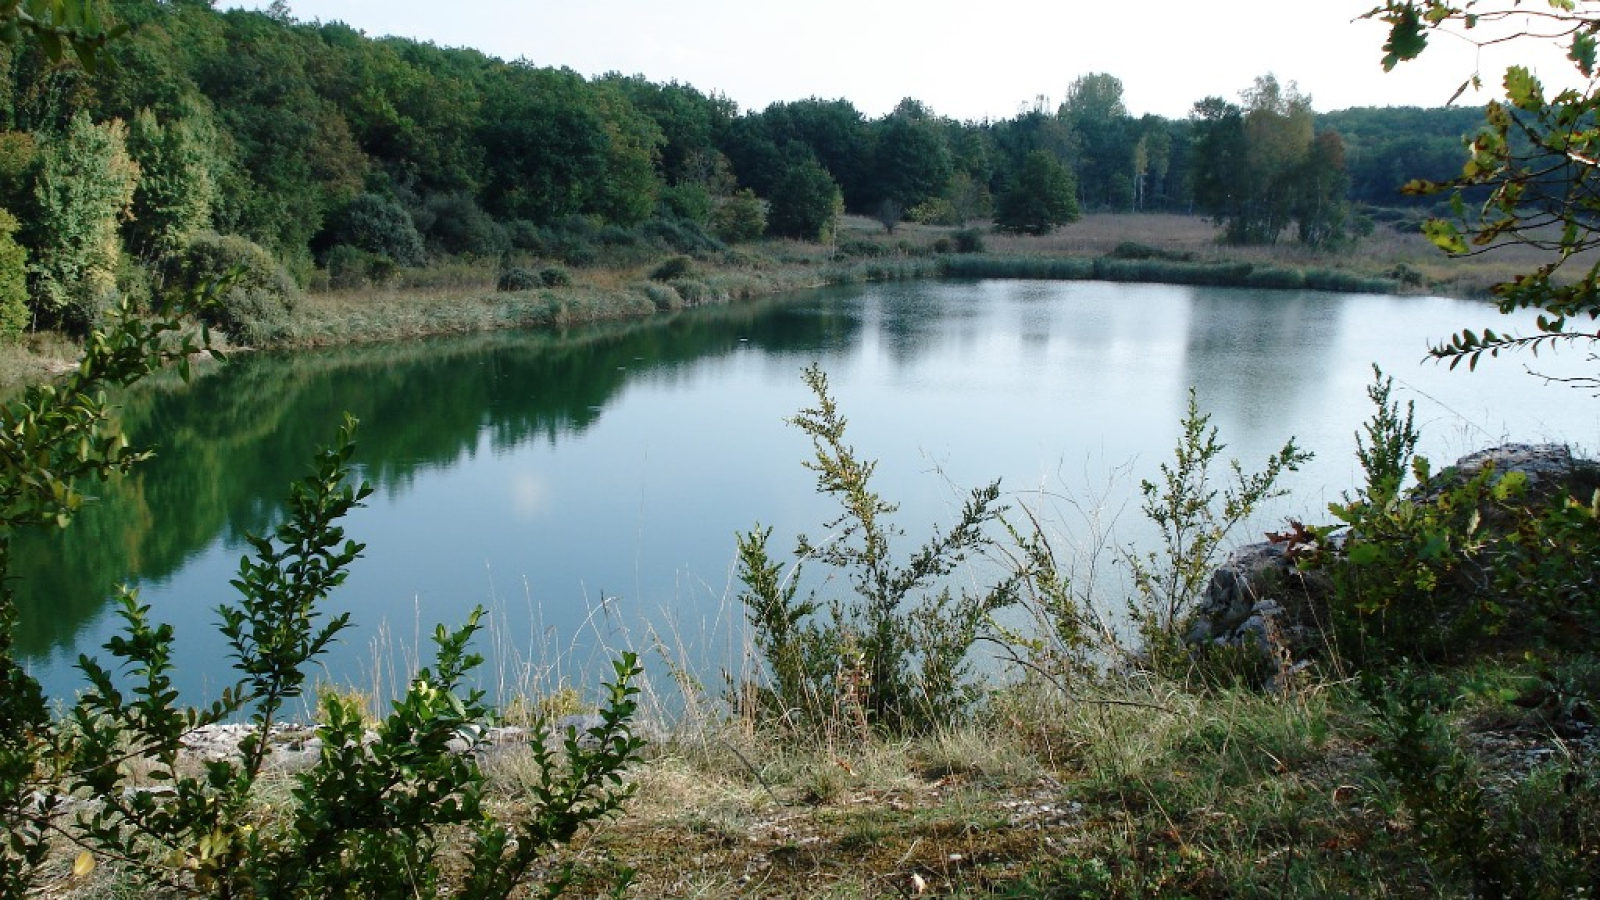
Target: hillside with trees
[{"x": 319, "y": 157}]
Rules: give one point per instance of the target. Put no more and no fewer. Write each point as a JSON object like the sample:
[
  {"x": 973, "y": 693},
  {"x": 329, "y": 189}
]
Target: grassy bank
[
  {"x": 1435, "y": 735},
  {"x": 1133, "y": 787},
  {"x": 466, "y": 296}
]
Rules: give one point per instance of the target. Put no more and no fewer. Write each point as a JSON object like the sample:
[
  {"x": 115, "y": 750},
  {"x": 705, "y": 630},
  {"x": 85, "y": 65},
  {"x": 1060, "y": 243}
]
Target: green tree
[
  {"x": 1043, "y": 197},
  {"x": 59, "y": 26},
  {"x": 741, "y": 217},
  {"x": 175, "y": 193},
  {"x": 376, "y": 224},
  {"x": 1105, "y": 138},
  {"x": 910, "y": 162},
  {"x": 1530, "y": 171},
  {"x": 1320, "y": 205},
  {"x": 13, "y": 280},
  {"x": 84, "y": 191},
  {"x": 1259, "y": 167},
  {"x": 805, "y": 203}
]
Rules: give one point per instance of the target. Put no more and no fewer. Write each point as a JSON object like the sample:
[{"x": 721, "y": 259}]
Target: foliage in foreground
[
  {"x": 371, "y": 817},
  {"x": 891, "y": 653},
  {"x": 1530, "y": 170}
]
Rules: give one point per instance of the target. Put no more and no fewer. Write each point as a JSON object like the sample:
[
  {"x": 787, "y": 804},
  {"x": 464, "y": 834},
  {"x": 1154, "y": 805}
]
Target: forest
[{"x": 314, "y": 156}]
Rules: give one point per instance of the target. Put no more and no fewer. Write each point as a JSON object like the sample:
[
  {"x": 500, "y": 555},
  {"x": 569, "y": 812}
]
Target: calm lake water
[{"x": 587, "y": 487}]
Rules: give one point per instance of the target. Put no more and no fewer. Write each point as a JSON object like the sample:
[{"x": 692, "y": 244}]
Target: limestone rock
[{"x": 1259, "y": 599}]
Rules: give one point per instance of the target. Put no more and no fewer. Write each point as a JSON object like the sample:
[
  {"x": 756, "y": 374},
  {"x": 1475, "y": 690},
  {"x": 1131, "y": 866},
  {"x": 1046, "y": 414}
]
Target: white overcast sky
[{"x": 971, "y": 59}]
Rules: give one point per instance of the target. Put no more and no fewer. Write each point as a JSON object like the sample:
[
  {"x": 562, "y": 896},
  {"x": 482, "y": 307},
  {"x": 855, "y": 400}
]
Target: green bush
[
  {"x": 13, "y": 280},
  {"x": 554, "y": 276},
  {"x": 673, "y": 269},
  {"x": 689, "y": 202},
  {"x": 257, "y": 294},
  {"x": 663, "y": 297},
  {"x": 54, "y": 442},
  {"x": 741, "y": 217},
  {"x": 516, "y": 278},
  {"x": 378, "y": 225},
  {"x": 352, "y": 269},
  {"x": 1193, "y": 527},
  {"x": 680, "y": 236},
  {"x": 1534, "y": 838},
  {"x": 968, "y": 240},
  {"x": 453, "y": 224},
  {"x": 374, "y": 817},
  {"x": 891, "y": 654},
  {"x": 1459, "y": 561}
]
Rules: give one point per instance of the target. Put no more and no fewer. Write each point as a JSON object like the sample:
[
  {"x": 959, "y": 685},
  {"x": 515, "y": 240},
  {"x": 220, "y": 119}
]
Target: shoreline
[{"x": 1175, "y": 250}]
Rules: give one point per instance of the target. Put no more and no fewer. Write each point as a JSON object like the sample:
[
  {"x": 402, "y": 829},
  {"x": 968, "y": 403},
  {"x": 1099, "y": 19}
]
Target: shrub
[
  {"x": 454, "y": 224},
  {"x": 351, "y": 268},
  {"x": 663, "y": 297},
  {"x": 13, "y": 280},
  {"x": 257, "y": 294},
  {"x": 891, "y": 654},
  {"x": 1534, "y": 838},
  {"x": 516, "y": 278},
  {"x": 741, "y": 217},
  {"x": 372, "y": 817},
  {"x": 53, "y": 442},
  {"x": 1193, "y": 529},
  {"x": 968, "y": 240},
  {"x": 378, "y": 225},
  {"x": 1459, "y": 560},
  {"x": 689, "y": 202},
  {"x": 673, "y": 269},
  {"x": 681, "y": 236},
  {"x": 554, "y": 276}
]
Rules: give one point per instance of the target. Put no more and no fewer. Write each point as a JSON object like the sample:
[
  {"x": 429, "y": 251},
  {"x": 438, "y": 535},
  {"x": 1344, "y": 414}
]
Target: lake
[{"x": 586, "y": 487}]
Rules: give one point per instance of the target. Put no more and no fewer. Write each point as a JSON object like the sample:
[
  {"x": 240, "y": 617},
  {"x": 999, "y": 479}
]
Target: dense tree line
[{"x": 325, "y": 151}]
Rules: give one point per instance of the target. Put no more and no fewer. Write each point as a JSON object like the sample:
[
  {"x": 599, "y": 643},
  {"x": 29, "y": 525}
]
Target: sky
[{"x": 968, "y": 60}]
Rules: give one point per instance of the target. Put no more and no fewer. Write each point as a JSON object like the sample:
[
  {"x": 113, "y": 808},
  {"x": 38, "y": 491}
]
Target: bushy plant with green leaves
[
  {"x": 377, "y": 224},
  {"x": 258, "y": 292},
  {"x": 13, "y": 280},
  {"x": 53, "y": 442},
  {"x": 674, "y": 268},
  {"x": 891, "y": 652},
  {"x": 739, "y": 217},
  {"x": 376, "y": 813},
  {"x": 1194, "y": 520},
  {"x": 1535, "y": 839},
  {"x": 371, "y": 818},
  {"x": 1457, "y": 561}
]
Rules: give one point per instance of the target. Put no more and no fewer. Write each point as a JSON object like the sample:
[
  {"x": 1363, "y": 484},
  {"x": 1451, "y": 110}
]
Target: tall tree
[
  {"x": 805, "y": 203},
  {"x": 910, "y": 162},
  {"x": 1043, "y": 197},
  {"x": 1253, "y": 165},
  {"x": 84, "y": 191},
  {"x": 1105, "y": 140},
  {"x": 173, "y": 199}
]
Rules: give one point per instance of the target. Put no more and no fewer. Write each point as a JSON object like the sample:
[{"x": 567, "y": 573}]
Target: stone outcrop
[{"x": 1259, "y": 601}]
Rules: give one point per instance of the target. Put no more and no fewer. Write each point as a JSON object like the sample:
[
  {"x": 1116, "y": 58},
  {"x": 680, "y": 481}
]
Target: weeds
[
  {"x": 1193, "y": 530},
  {"x": 891, "y": 654},
  {"x": 370, "y": 818}
]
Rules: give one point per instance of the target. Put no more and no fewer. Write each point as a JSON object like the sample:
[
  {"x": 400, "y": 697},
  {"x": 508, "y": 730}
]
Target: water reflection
[
  {"x": 598, "y": 476},
  {"x": 1252, "y": 354},
  {"x": 230, "y": 442}
]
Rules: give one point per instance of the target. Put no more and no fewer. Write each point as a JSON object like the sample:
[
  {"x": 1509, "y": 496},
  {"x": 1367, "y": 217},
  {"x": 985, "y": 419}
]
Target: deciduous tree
[
  {"x": 84, "y": 191},
  {"x": 805, "y": 203},
  {"x": 1043, "y": 197}
]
